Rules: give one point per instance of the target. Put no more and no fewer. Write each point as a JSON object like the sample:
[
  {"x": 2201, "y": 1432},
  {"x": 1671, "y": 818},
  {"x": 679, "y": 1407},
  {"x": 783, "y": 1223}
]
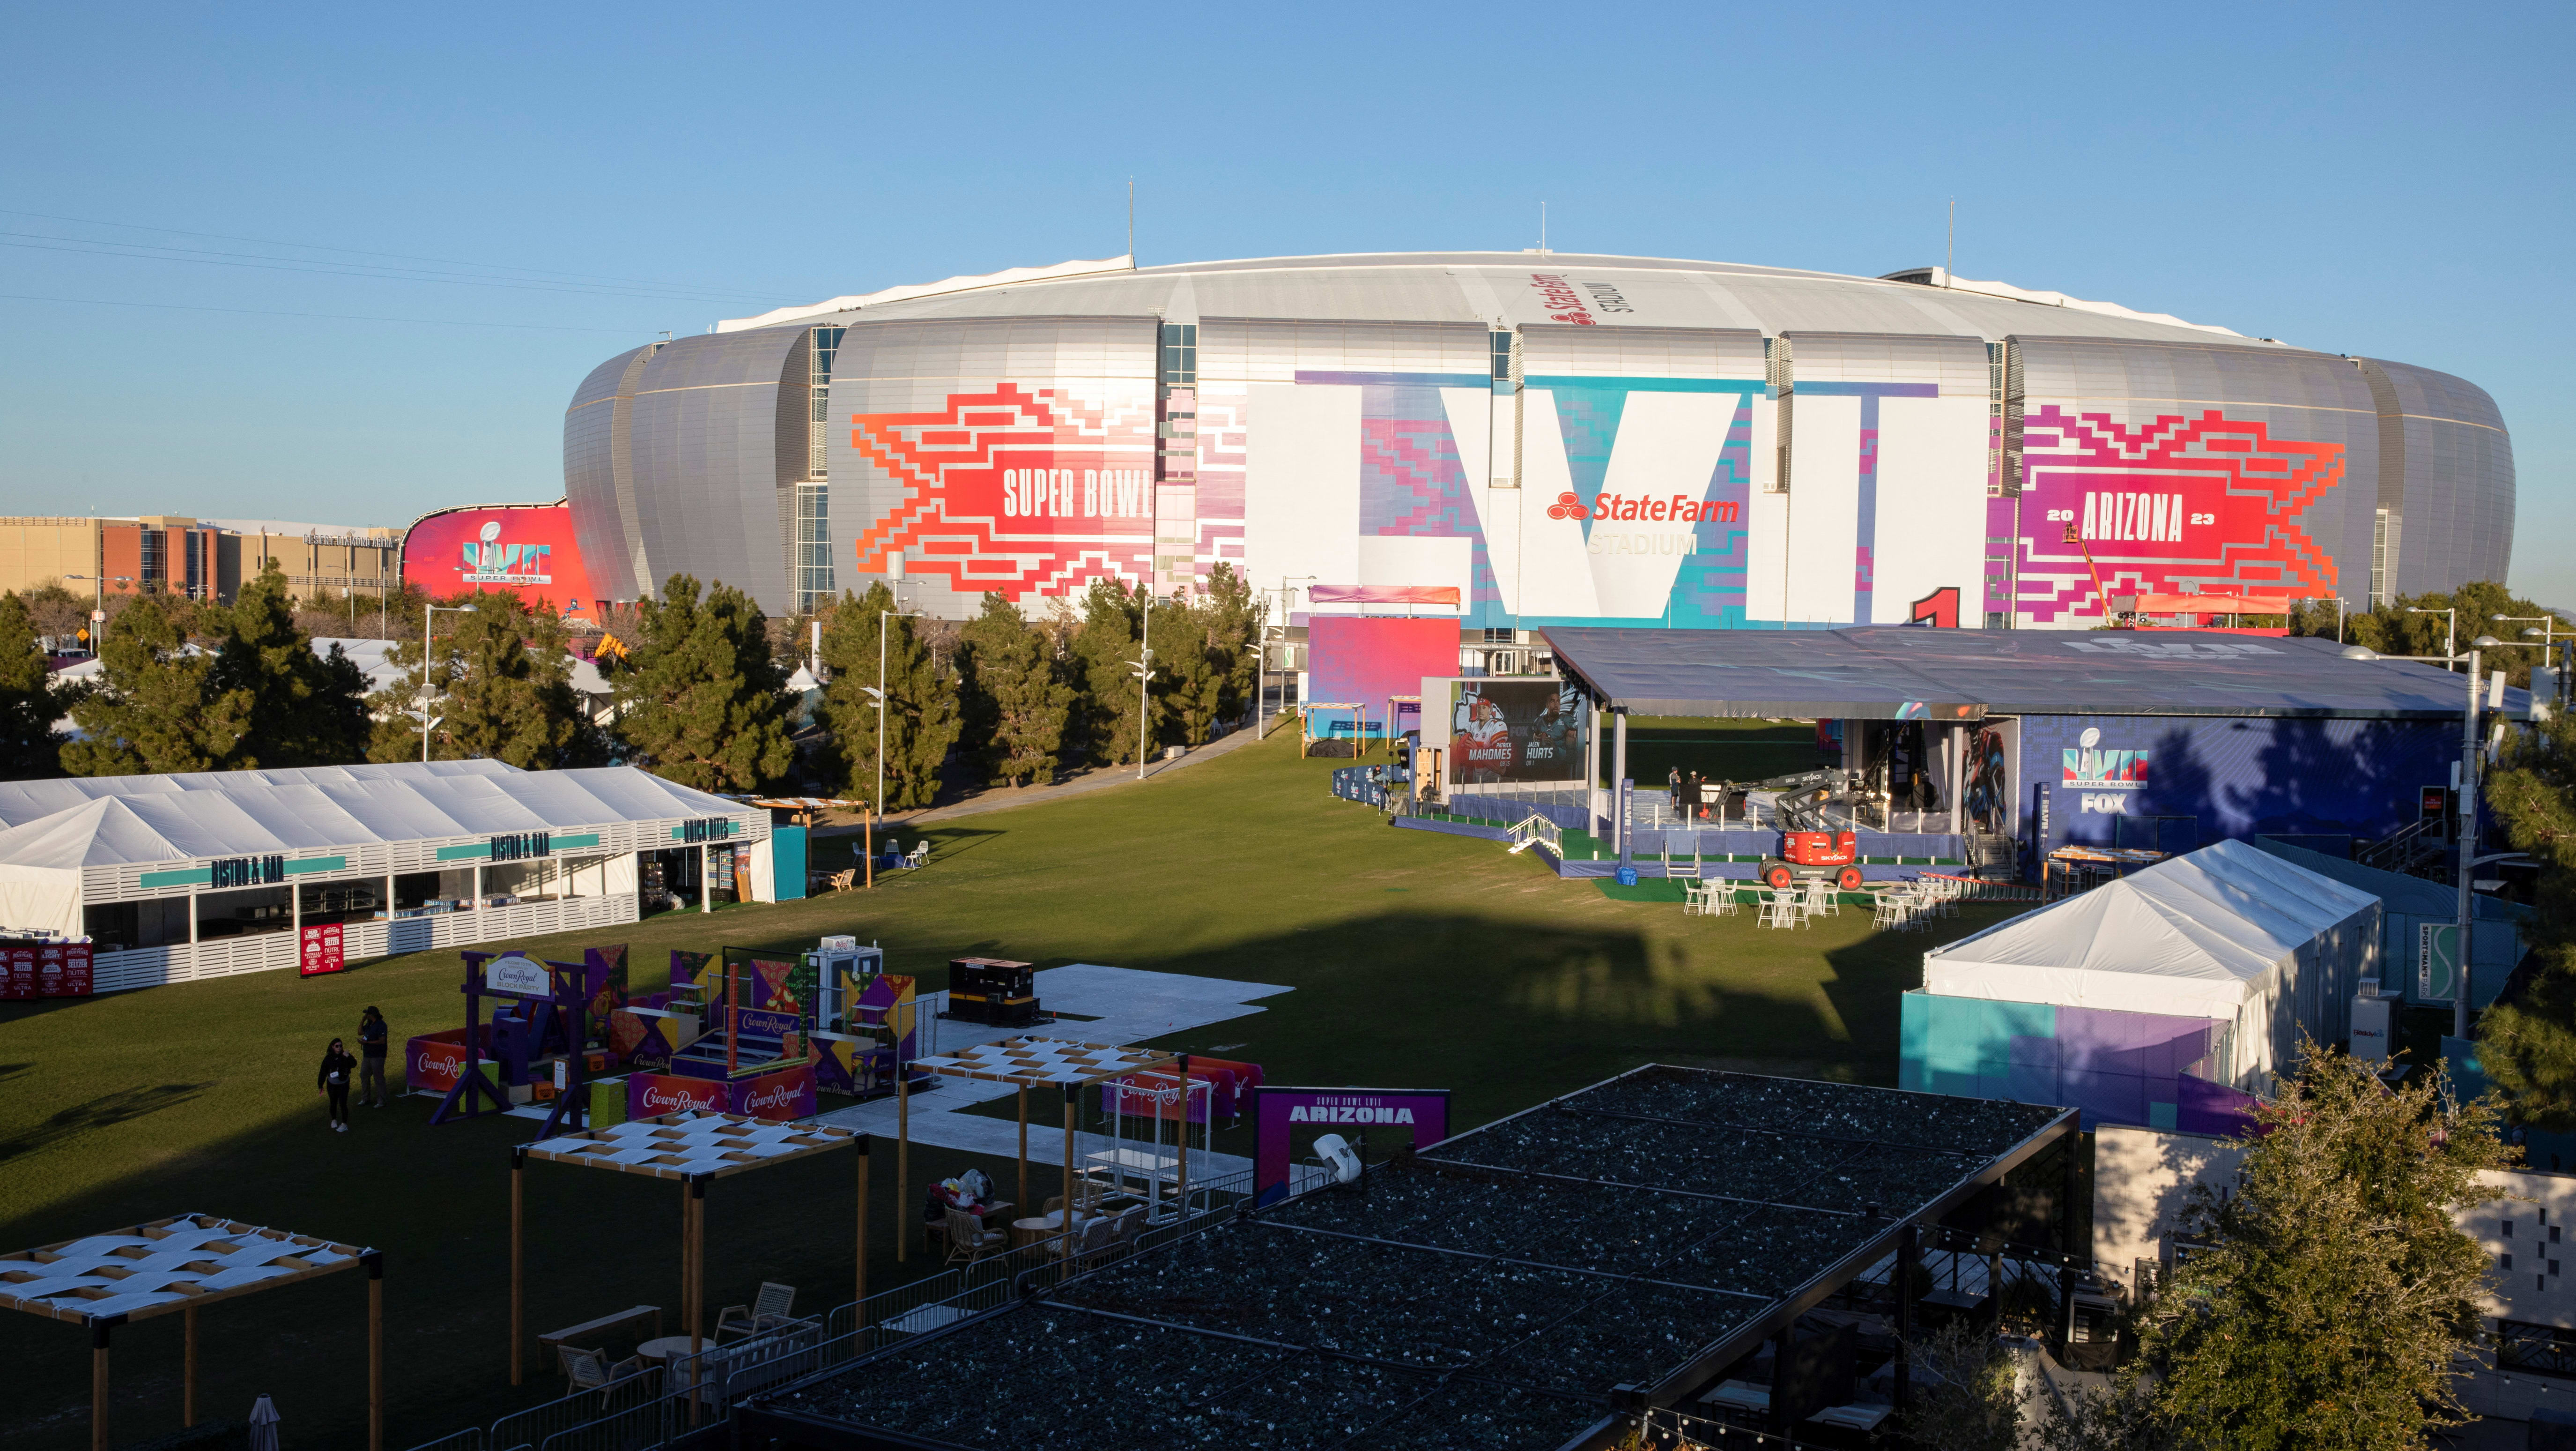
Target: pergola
[
  {"x": 1026, "y": 1063},
  {"x": 183, "y": 1263},
  {"x": 692, "y": 1148}
]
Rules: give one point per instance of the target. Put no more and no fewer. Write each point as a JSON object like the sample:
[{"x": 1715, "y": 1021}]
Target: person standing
[
  {"x": 1676, "y": 789},
  {"x": 333, "y": 1081},
  {"x": 371, "y": 1057}
]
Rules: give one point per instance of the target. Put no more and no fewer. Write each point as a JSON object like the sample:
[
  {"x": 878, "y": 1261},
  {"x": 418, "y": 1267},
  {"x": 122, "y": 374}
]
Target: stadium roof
[
  {"x": 1902, "y": 672},
  {"x": 1523, "y": 1284},
  {"x": 1484, "y": 288}
]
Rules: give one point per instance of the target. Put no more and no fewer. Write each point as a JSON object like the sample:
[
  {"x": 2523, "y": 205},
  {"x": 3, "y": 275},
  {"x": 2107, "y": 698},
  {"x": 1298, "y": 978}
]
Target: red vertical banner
[
  {"x": 21, "y": 971},
  {"x": 320, "y": 951},
  {"x": 76, "y": 974},
  {"x": 49, "y": 970}
]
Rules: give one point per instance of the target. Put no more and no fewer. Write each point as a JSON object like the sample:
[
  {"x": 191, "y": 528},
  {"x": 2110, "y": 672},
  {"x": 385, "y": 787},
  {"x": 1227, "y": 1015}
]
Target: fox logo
[{"x": 1568, "y": 507}]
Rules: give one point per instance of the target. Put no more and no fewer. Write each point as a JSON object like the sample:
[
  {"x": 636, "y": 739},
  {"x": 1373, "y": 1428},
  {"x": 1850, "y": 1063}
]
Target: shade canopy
[
  {"x": 691, "y": 1145},
  {"x": 165, "y": 1265},
  {"x": 1899, "y": 672},
  {"x": 1045, "y": 1062}
]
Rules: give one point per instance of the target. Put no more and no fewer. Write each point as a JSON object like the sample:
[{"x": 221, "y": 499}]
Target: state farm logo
[{"x": 1568, "y": 507}]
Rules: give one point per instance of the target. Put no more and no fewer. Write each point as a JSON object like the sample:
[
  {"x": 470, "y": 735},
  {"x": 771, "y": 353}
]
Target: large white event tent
[
  {"x": 205, "y": 874},
  {"x": 2229, "y": 933}
]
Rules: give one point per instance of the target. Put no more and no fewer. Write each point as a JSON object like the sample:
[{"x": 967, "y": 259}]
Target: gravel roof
[{"x": 1511, "y": 1287}]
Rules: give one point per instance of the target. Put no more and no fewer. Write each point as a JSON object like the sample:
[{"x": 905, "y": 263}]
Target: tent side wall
[
  {"x": 2316, "y": 993},
  {"x": 39, "y": 899},
  {"x": 2116, "y": 1067}
]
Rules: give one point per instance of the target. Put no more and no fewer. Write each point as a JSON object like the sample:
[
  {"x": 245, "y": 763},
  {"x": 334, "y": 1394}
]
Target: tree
[
  {"x": 155, "y": 706},
  {"x": 2337, "y": 1286},
  {"x": 58, "y": 614},
  {"x": 921, "y": 720},
  {"x": 500, "y": 684},
  {"x": 310, "y": 710},
  {"x": 2527, "y": 1043},
  {"x": 1016, "y": 693},
  {"x": 700, "y": 697},
  {"x": 1964, "y": 1393},
  {"x": 28, "y": 743},
  {"x": 1103, "y": 660},
  {"x": 2392, "y": 630}
]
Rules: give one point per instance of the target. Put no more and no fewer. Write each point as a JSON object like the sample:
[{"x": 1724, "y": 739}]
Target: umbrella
[{"x": 263, "y": 1425}]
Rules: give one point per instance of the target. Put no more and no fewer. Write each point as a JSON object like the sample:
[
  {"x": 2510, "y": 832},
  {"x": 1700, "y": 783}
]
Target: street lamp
[
  {"x": 2450, "y": 629},
  {"x": 1143, "y": 666},
  {"x": 98, "y": 612},
  {"x": 878, "y": 804},
  {"x": 429, "y": 617}
]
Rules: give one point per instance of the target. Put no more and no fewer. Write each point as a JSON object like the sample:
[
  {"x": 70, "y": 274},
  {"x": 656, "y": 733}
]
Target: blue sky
[{"x": 2354, "y": 179}]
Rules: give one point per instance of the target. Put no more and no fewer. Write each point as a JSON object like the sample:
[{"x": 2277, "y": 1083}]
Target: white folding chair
[
  {"x": 1823, "y": 898},
  {"x": 1720, "y": 901},
  {"x": 1694, "y": 897},
  {"x": 1780, "y": 909}
]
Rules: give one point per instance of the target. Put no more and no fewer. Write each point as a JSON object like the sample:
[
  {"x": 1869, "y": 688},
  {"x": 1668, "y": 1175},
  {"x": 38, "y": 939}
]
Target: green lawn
[{"x": 1418, "y": 960}]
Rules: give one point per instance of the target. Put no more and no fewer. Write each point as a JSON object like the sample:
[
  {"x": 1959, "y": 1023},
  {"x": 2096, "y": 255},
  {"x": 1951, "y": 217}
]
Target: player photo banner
[{"x": 1515, "y": 730}]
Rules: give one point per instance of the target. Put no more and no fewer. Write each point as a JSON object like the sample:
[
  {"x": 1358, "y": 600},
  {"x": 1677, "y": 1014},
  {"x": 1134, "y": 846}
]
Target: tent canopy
[
  {"x": 2205, "y": 935},
  {"x": 117, "y": 820},
  {"x": 1901, "y": 672}
]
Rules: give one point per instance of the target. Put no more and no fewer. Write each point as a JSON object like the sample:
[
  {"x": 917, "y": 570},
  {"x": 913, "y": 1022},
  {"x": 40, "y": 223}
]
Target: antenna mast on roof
[
  {"x": 1950, "y": 255},
  {"x": 1542, "y": 229},
  {"x": 1131, "y": 224}
]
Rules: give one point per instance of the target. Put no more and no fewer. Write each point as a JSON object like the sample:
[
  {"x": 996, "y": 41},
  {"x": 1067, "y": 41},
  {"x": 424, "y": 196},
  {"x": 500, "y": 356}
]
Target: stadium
[{"x": 1558, "y": 439}]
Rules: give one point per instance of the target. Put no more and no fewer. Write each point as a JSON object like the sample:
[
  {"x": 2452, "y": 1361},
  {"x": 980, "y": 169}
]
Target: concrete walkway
[
  {"x": 1127, "y": 1005},
  {"x": 1099, "y": 778}
]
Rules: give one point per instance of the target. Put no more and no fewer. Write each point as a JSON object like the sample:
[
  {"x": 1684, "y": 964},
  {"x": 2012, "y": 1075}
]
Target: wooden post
[
  {"x": 98, "y": 1329},
  {"x": 1908, "y": 1254},
  {"x": 375, "y": 1351},
  {"x": 902, "y": 1158},
  {"x": 1181, "y": 1183},
  {"x": 860, "y": 1315},
  {"x": 1024, "y": 1151},
  {"x": 697, "y": 1287},
  {"x": 518, "y": 1164},
  {"x": 1072, "y": 1098},
  {"x": 188, "y": 1367}
]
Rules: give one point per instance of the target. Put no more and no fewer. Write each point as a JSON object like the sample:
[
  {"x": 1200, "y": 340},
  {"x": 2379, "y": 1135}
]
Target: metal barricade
[{"x": 528, "y": 1429}]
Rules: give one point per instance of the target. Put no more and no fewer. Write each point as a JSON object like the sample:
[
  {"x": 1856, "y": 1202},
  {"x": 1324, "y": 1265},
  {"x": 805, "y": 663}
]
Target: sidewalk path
[{"x": 1098, "y": 778}]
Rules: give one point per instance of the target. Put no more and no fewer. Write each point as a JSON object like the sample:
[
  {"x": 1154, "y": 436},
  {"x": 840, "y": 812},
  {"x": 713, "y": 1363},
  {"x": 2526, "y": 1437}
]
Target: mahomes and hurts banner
[{"x": 1513, "y": 730}]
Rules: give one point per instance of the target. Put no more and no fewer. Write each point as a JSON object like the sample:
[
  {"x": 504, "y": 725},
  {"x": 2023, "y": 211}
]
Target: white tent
[
  {"x": 2228, "y": 932},
  {"x": 568, "y": 841}
]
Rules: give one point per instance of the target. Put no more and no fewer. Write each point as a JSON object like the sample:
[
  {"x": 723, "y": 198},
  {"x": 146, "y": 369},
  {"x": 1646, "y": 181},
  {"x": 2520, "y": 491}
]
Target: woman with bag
[{"x": 333, "y": 1080}]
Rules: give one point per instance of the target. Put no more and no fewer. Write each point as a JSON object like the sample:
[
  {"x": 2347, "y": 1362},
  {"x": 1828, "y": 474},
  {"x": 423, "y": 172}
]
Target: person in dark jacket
[
  {"x": 333, "y": 1080},
  {"x": 371, "y": 1054}
]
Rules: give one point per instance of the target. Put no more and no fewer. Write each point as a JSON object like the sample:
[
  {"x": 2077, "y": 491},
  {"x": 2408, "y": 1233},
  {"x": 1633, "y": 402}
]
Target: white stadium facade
[{"x": 1562, "y": 439}]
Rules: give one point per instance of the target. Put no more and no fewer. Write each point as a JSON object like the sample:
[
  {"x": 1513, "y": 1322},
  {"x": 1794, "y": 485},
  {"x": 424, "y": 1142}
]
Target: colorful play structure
[{"x": 737, "y": 1031}]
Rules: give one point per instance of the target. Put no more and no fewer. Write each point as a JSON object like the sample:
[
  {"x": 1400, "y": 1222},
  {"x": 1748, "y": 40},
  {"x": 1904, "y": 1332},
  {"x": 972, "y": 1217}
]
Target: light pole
[
  {"x": 1287, "y": 602},
  {"x": 1143, "y": 665},
  {"x": 878, "y": 804},
  {"x": 2468, "y": 834},
  {"x": 2450, "y": 630},
  {"x": 429, "y": 614},
  {"x": 98, "y": 612}
]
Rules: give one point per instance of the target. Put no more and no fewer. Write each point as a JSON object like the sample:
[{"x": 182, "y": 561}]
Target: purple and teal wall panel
[{"x": 2122, "y": 1068}]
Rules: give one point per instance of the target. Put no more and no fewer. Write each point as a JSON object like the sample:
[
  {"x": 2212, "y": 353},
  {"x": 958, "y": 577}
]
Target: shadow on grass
[
  {"x": 436, "y": 1201},
  {"x": 101, "y": 1112}
]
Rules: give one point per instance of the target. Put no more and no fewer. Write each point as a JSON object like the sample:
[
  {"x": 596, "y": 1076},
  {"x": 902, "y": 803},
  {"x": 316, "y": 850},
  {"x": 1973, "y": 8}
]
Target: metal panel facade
[
  {"x": 1346, "y": 422},
  {"x": 705, "y": 441}
]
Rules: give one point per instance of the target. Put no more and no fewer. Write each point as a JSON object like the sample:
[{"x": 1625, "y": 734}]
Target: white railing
[{"x": 144, "y": 967}]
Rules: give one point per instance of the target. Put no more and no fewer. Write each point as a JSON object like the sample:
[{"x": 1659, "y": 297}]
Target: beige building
[{"x": 196, "y": 558}]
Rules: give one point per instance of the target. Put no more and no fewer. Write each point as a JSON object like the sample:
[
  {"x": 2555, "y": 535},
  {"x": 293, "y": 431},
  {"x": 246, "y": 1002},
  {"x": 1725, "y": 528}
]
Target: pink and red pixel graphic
[
  {"x": 1024, "y": 491},
  {"x": 2180, "y": 505}
]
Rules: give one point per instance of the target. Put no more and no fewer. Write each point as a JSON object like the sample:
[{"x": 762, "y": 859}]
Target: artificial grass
[{"x": 1418, "y": 959}]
